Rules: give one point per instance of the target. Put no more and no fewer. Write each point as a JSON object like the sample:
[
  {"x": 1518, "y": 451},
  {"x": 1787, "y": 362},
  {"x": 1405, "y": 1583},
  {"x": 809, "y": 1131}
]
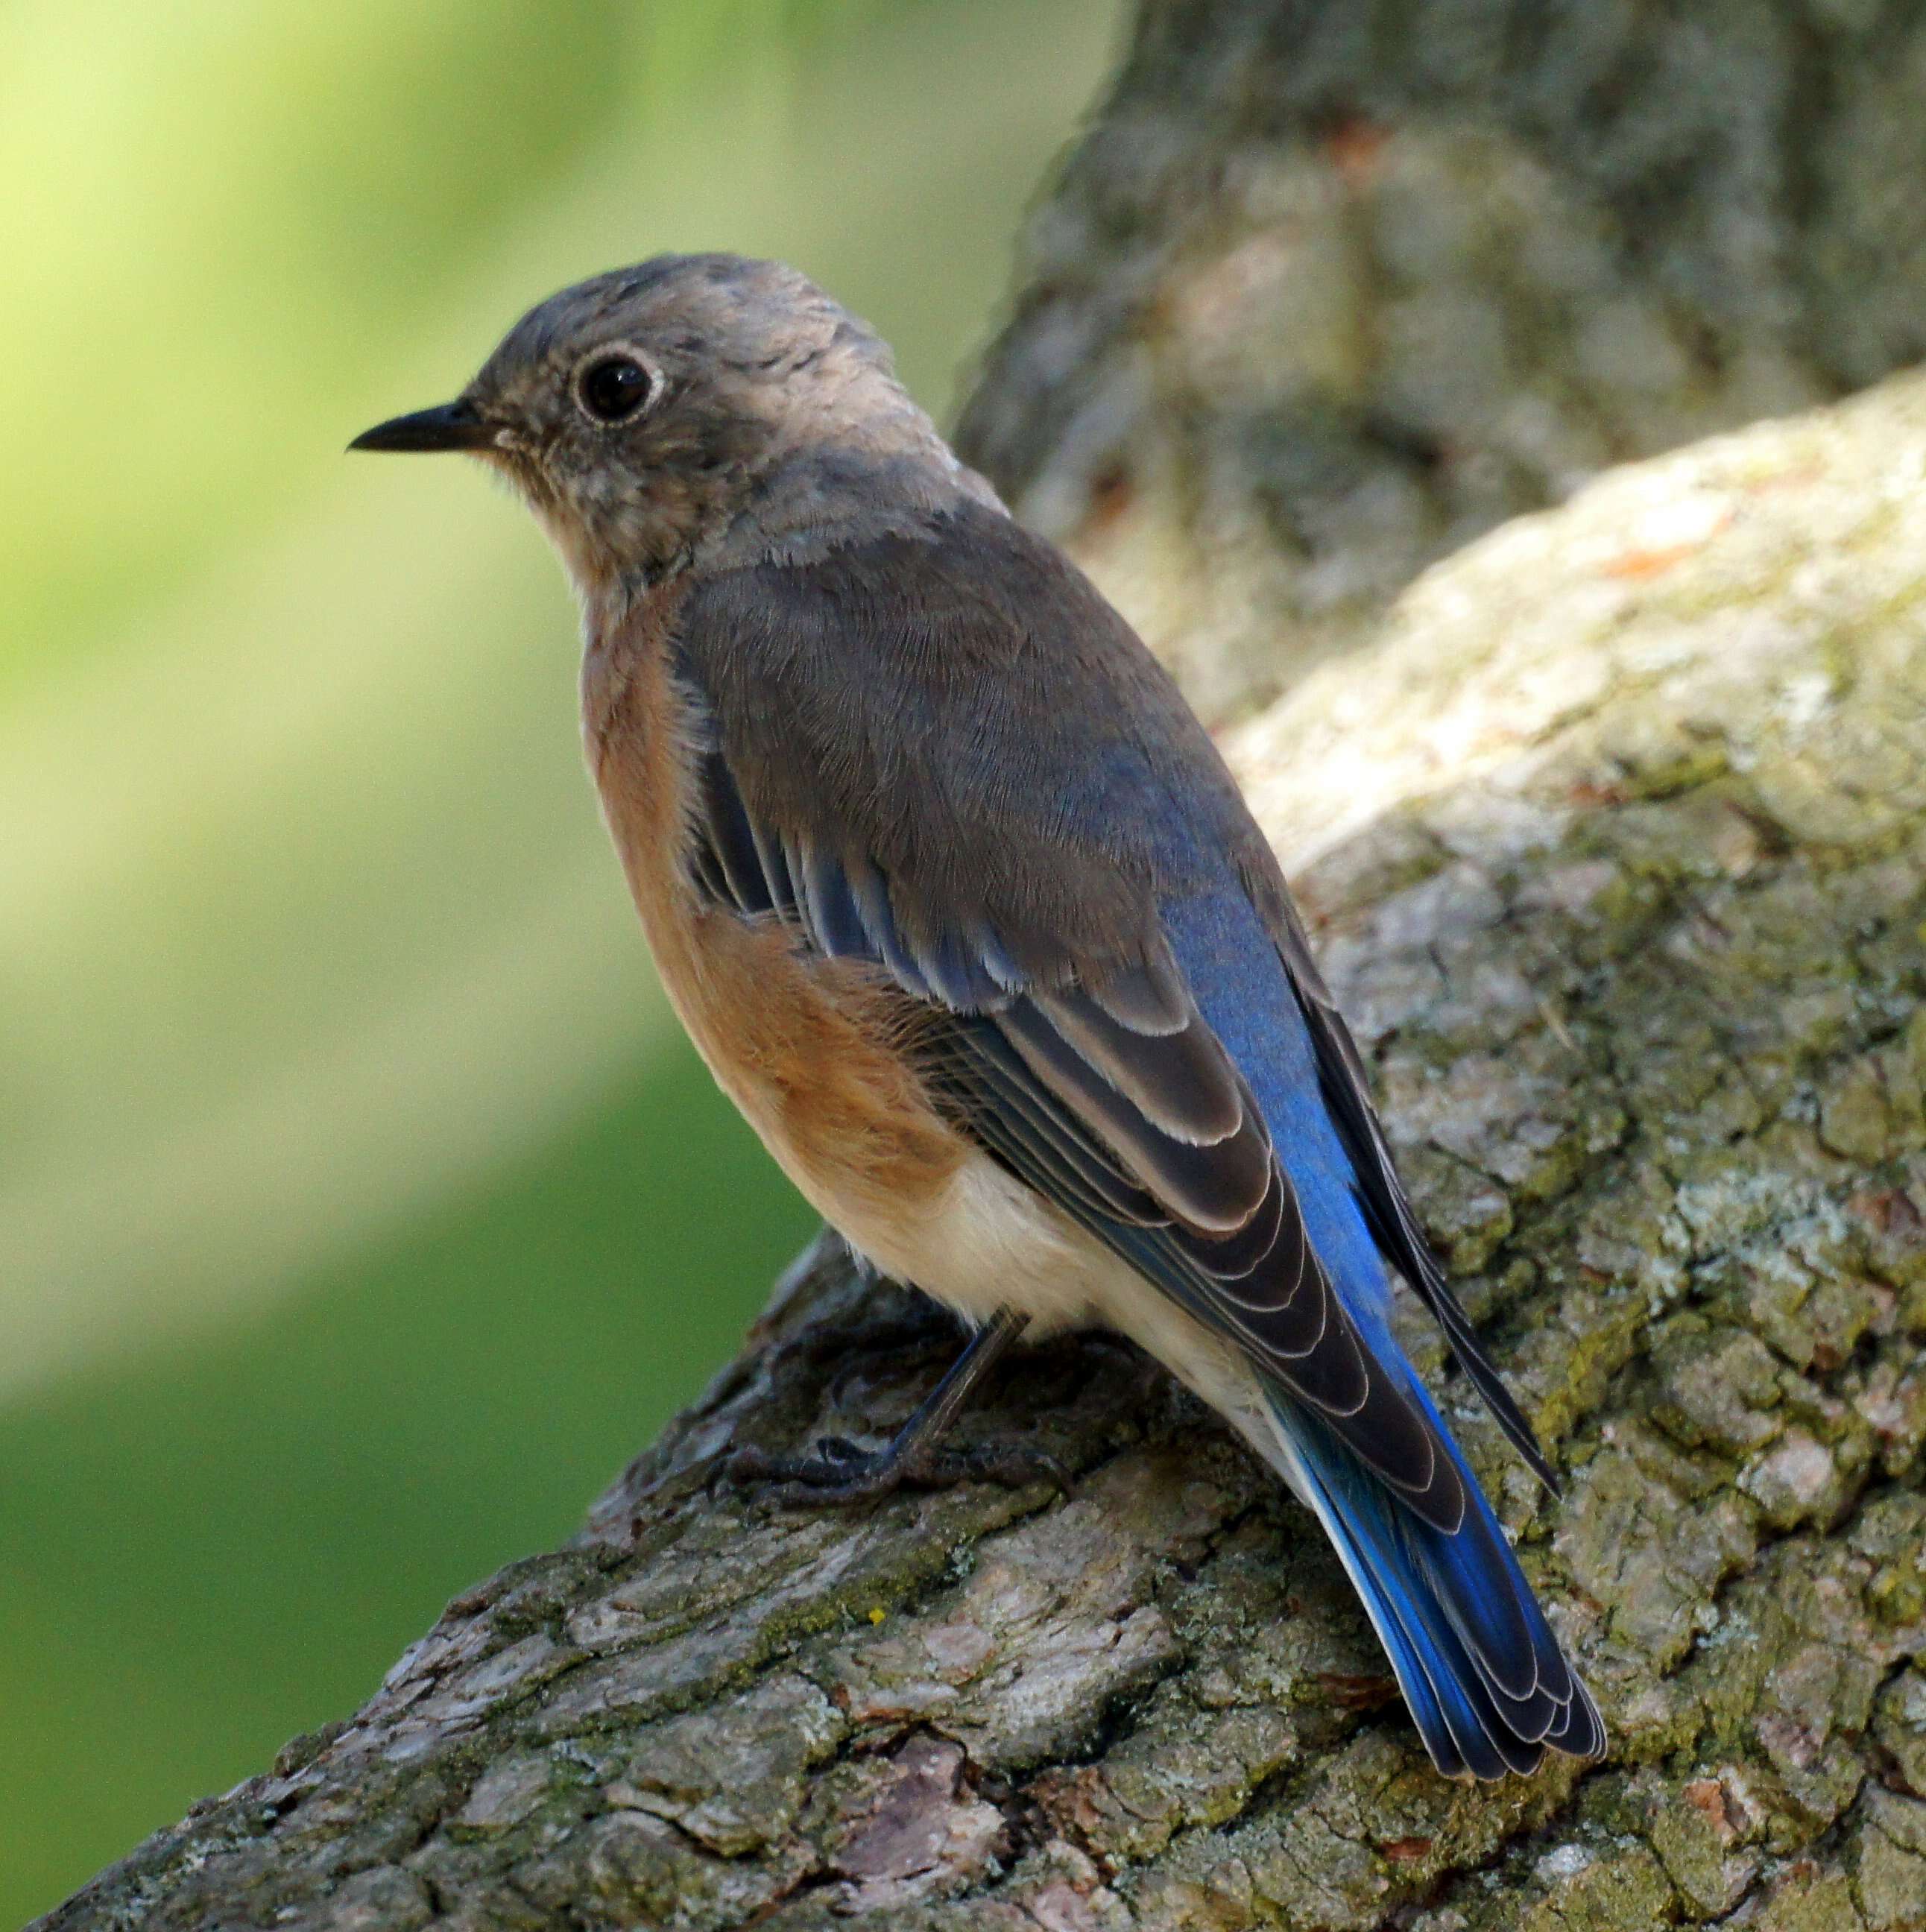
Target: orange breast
[{"x": 809, "y": 1049}]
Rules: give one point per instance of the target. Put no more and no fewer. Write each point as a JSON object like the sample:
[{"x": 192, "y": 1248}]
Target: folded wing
[{"x": 1100, "y": 1085}]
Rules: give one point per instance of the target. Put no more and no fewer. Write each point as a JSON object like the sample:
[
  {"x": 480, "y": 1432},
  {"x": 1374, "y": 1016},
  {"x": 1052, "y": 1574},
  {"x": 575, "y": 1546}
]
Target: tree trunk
[
  {"x": 1332, "y": 286},
  {"x": 1613, "y": 834}
]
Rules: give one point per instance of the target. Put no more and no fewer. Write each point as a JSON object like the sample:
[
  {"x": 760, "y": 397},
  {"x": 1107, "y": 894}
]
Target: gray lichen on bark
[{"x": 1615, "y": 845}]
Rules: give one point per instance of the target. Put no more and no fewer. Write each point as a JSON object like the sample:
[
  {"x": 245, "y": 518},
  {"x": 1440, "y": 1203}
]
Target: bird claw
[{"x": 837, "y": 1473}]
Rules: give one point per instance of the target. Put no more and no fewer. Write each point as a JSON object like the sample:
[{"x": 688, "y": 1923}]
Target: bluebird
[{"x": 958, "y": 900}]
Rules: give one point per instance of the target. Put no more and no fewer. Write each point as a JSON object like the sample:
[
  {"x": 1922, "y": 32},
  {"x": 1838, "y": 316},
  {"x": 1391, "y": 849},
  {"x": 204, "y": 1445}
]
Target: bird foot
[{"x": 837, "y": 1472}]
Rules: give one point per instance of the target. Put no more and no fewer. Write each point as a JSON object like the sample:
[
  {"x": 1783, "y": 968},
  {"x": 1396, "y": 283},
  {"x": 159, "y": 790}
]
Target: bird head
[{"x": 690, "y": 408}]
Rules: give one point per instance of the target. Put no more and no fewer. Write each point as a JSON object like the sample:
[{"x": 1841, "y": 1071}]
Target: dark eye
[{"x": 613, "y": 388}]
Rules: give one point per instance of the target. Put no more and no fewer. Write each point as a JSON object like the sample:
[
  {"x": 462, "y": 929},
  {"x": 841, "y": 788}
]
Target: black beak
[{"x": 449, "y": 426}]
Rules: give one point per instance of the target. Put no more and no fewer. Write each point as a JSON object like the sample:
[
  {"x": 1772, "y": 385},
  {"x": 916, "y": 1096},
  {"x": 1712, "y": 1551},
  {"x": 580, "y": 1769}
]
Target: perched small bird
[{"x": 966, "y": 915}]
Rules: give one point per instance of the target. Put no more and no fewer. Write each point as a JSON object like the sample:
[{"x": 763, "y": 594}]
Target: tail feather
[{"x": 1488, "y": 1687}]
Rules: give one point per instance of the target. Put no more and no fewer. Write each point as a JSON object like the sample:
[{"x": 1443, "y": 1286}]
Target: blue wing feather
[{"x": 1241, "y": 987}]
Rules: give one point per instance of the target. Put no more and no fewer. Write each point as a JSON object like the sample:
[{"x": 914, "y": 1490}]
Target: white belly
[{"x": 989, "y": 1242}]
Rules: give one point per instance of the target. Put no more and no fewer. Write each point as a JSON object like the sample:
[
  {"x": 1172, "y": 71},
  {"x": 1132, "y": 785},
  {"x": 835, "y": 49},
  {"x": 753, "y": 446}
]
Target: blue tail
[{"x": 1487, "y": 1684}]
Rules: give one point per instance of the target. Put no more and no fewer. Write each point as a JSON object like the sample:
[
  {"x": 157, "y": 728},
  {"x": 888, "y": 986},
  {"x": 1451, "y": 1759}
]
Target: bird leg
[{"x": 837, "y": 1472}]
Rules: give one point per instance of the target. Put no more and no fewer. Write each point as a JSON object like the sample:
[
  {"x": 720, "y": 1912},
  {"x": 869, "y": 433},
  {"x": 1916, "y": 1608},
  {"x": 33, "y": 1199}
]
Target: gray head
[{"x": 696, "y": 407}]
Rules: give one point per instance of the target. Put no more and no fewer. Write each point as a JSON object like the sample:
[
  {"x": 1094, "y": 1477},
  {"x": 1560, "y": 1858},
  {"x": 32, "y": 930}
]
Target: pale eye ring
[{"x": 615, "y": 386}]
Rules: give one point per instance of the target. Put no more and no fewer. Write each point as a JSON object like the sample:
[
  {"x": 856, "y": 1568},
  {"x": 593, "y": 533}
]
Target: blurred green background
[{"x": 359, "y": 1213}]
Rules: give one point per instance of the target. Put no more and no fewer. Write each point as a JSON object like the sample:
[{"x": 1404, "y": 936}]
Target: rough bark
[
  {"x": 1612, "y": 831},
  {"x": 1332, "y": 285}
]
